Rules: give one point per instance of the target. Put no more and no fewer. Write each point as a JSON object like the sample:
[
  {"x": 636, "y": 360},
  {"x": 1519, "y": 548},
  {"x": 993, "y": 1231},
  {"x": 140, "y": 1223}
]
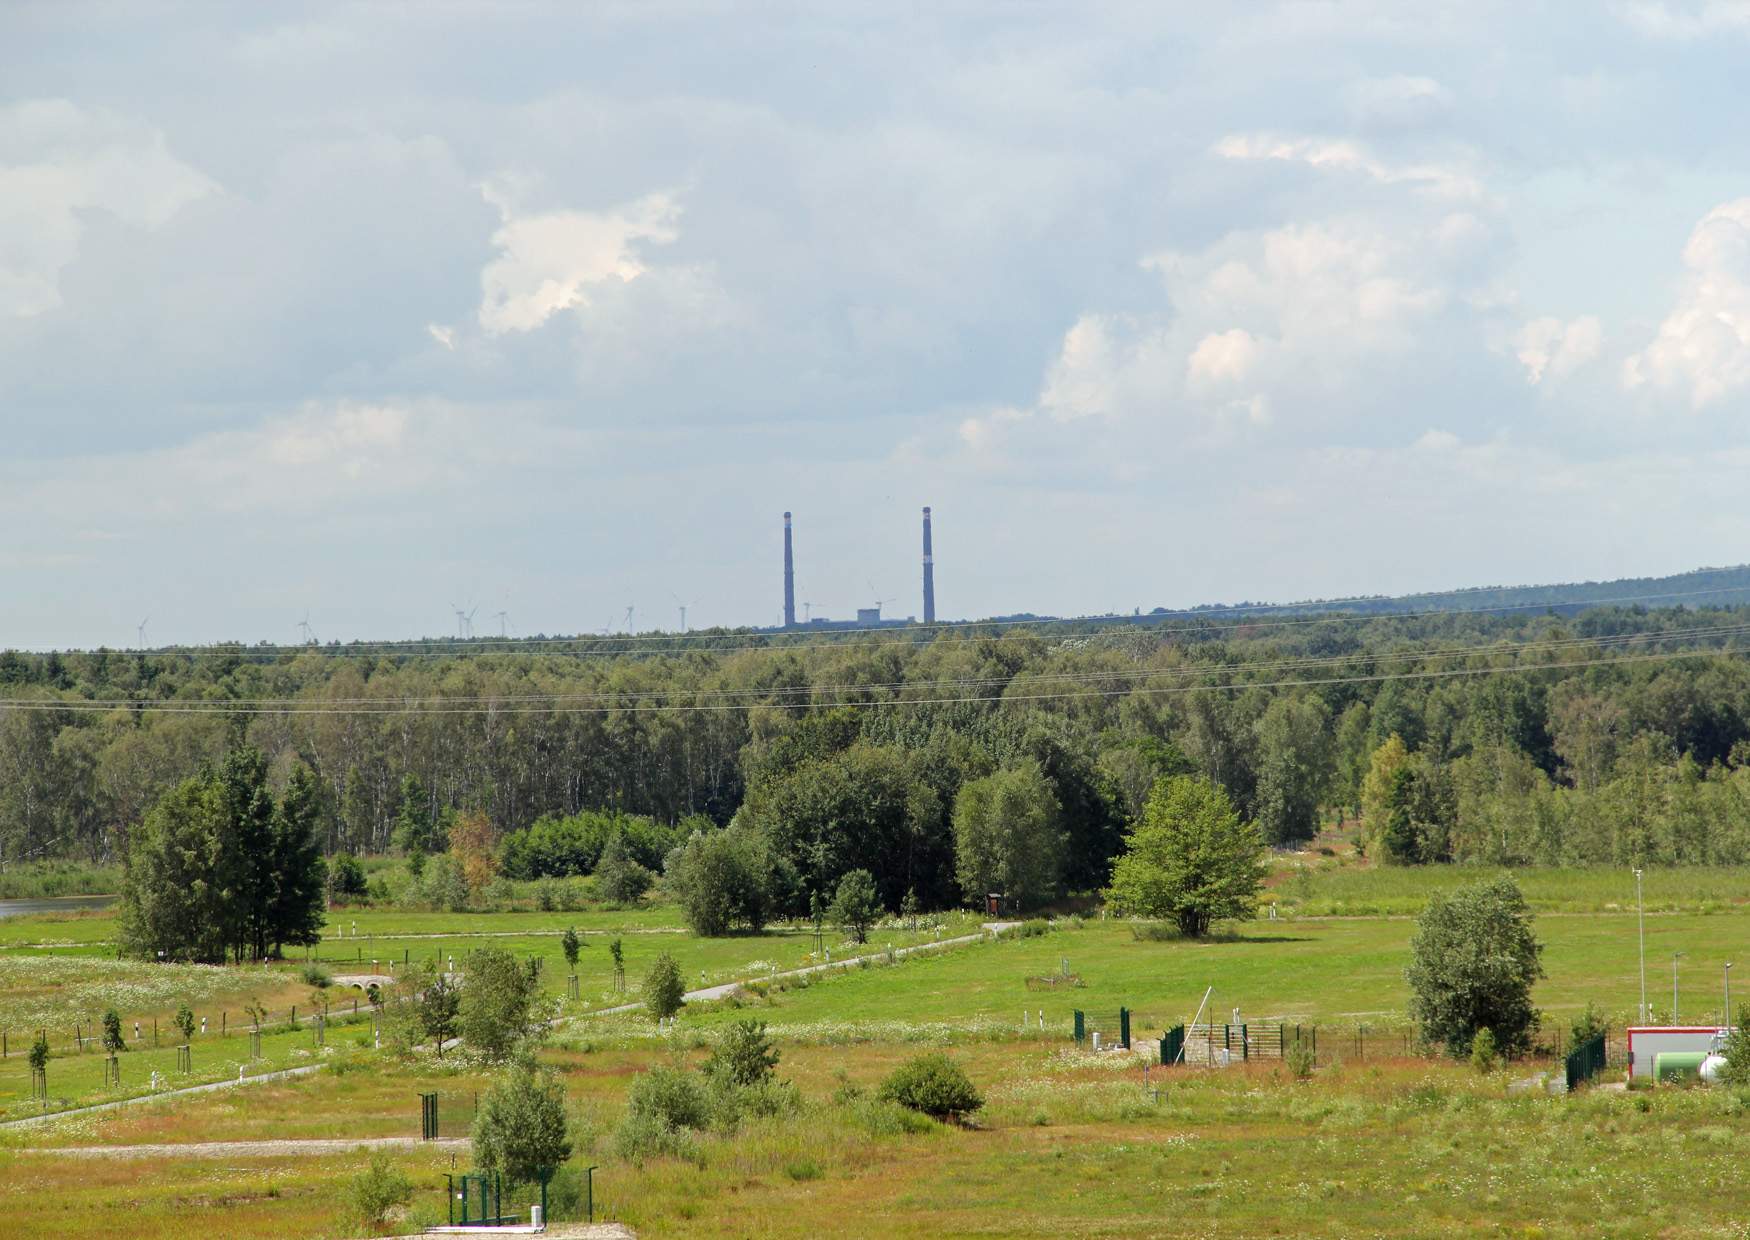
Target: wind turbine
[
  {"x": 503, "y": 622},
  {"x": 683, "y": 607},
  {"x": 807, "y": 611},
  {"x": 471, "y": 620},
  {"x": 461, "y": 621},
  {"x": 629, "y": 610},
  {"x": 141, "y": 631},
  {"x": 306, "y": 631}
]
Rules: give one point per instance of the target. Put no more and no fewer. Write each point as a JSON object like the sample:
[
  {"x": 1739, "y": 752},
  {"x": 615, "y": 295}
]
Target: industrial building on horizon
[{"x": 867, "y": 617}]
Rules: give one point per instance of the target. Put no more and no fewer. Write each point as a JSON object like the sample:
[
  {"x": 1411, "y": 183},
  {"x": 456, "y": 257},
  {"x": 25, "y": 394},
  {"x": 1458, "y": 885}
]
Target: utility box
[{"x": 1646, "y": 1042}]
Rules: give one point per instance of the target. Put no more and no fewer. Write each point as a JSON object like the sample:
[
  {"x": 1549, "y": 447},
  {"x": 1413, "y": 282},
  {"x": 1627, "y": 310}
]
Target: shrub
[
  {"x": 184, "y": 1020},
  {"x": 346, "y": 877},
  {"x": 1587, "y": 1025},
  {"x": 521, "y": 1127},
  {"x": 1032, "y": 928},
  {"x": 1484, "y": 1054},
  {"x": 1737, "y": 1051},
  {"x": 619, "y": 878},
  {"x": 673, "y": 1096},
  {"x": 1300, "y": 1059},
  {"x": 640, "y": 1138},
  {"x": 663, "y": 988},
  {"x": 315, "y": 975},
  {"x": 376, "y": 1190},
  {"x": 744, "y": 1054},
  {"x": 933, "y": 1084},
  {"x": 803, "y": 1169}
]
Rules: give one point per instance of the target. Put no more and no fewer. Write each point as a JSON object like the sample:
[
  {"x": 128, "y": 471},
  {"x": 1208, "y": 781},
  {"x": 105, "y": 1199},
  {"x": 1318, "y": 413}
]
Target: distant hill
[{"x": 1702, "y": 587}]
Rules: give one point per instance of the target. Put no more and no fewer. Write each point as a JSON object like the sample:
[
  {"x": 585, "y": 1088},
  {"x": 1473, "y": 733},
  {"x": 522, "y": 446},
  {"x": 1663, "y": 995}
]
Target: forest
[{"x": 1613, "y": 736}]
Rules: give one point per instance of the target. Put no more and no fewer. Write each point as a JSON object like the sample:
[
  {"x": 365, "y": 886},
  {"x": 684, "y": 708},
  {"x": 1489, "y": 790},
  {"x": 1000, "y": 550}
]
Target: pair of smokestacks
[{"x": 790, "y": 576}]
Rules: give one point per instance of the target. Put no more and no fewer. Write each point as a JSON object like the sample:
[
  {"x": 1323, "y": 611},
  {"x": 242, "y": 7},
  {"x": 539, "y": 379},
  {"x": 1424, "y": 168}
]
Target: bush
[
  {"x": 744, "y": 1055},
  {"x": 663, "y": 988},
  {"x": 935, "y": 1085},
  {"x": 1737, "y": 1051},
  {"x": 1485, "y": 1056},
  {"x": 315, "y": 975},
  {"x": 672, "y": 1096},
  {"x": 640, "y": 1138},
  {"x": 346, "y": 877},
  {"x": 1587, "y": 1025},
  {"x": 376, "y": 1190},
  {"x": 1300, "y": 1059},
  {"x": 1032, "y": 928}
]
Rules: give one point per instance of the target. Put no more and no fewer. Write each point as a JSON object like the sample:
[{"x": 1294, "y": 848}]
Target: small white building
[{"x": 1647, "y": 1041}]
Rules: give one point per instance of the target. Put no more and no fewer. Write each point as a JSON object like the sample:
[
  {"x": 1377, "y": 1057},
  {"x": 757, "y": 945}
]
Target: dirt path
[
  {"x": 990, "y": 929},
  {"x": 315, "y": 1147}
]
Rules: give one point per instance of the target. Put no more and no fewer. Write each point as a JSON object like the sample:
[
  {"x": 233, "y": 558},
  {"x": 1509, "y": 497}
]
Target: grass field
[{"x": 1068, "y": 1145}]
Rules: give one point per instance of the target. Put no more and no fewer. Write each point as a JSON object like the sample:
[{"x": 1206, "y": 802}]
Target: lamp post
[
  {"x": 1727, "y": 1022},
  {"x": 1674, "y": 958},
  {"x": 1641, "y": 917}
]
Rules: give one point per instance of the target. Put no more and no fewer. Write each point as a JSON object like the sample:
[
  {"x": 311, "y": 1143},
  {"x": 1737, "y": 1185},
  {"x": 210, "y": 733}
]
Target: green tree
[
  {"x": 39, "y": 1052},
  {"x": 723, "y": 881},
  {"x": 743, "y": 1055},
  {"x": 170, "y": 905},
  {"x": 1007, "y": 837},
  {"x": 570, "y": 945},
  {"x": 1388, "y": 758},
  {"x": 113, "y": 1042},
  {"x": 499, "y": 995},
  {"x": 294, "y": 912},
  {"x": 663, "y": 988},
  {"x": 247, "y": 871},
  {"x": 1294, "y": 768},
  {"x": 416, "y": 832},
  {"x": 520, "y": 1131},
  {"x": 1473, "y": 961},
  {"x": 1736, "y": 1049},
  {"x": 618, "y": 878},
  {"x": 438, "y": 1005},
  {"x": 1402, "y": 842},
  {"x": 855, "y": 905},
  {"x": 184, "y": 1020},
  {"x": 1191, "y": 859}
]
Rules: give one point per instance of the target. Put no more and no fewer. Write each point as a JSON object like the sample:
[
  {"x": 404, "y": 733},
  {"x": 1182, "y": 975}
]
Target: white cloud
[
  {"x": 1549, "y": 348},
  {"x": 1687, "y": 21},
  {"x": 1109, "y": 366},
  {"x": 59, "y": 160},
  {"x": 548, "y": 260},
  {"x": 1347, "y": 155},
  {"x": 1222, "y": 357},
  {"x": 1704, "y": 343}
]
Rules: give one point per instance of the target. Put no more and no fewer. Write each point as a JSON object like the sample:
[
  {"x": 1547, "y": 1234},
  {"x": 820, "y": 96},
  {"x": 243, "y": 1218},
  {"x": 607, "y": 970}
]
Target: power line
[{"x": 621, "y": 645}]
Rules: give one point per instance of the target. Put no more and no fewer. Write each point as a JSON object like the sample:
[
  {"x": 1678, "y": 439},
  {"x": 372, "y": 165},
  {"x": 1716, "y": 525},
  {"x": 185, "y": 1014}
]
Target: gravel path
[
  {"x": 312, "y": 1148},
  {"x": 850, "y": 962}
]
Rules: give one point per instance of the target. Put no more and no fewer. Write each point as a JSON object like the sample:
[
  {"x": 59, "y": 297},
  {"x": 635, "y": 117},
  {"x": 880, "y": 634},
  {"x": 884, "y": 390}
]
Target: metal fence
[
  {"x": 447, "y": 1114},
  {"x": 1112, "y": 1029},
  {"x": 1586, "y": 1061}
]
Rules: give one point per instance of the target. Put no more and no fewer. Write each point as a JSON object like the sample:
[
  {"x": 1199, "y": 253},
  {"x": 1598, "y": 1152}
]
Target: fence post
[
  {"x": 1124, "y": 1027},
  {"x": 1080, "y": 1026}
]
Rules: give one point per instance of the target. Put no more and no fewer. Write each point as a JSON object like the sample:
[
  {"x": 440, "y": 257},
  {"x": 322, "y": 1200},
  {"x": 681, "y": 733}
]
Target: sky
[{"x": 363, "y": 313}]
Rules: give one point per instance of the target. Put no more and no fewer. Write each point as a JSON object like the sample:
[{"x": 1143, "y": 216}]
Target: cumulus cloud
[
  {"x": 59, "y": 160},
  {"x": 1399, "y": 101},
  {"x": 1549, "y": 348},
  {"x": 1222, "y": 357},
  {"x": 548, "y": 260},
  {"x": 1703, "y": 345}
]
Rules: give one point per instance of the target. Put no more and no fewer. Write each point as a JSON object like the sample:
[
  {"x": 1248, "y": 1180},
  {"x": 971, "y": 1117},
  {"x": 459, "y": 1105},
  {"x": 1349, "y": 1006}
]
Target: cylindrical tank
[
  {"x": 1678, "y": 1065},
  {"x": 1710, "y": 1068}
]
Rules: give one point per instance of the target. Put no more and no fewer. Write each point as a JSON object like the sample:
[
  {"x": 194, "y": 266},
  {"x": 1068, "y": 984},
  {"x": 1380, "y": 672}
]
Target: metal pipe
[{"x": 1641, "y": 916}]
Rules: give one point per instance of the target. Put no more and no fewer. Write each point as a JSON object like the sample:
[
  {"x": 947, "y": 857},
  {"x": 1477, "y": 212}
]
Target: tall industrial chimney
[
  {"x": 929, "y": 574},
  {"x": 789, "y": 578}
]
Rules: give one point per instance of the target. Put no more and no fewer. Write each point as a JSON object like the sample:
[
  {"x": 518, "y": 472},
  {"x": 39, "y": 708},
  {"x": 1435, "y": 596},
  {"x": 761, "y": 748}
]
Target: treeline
[{"x": 945, "y": 765}]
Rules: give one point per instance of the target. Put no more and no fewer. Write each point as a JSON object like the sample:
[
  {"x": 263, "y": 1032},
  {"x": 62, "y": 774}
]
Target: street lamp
[
  {"x": 1641, "y": 917},
  {"x": 1674, "y": 956},
  {"x": 1727, "y": 1022}
]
